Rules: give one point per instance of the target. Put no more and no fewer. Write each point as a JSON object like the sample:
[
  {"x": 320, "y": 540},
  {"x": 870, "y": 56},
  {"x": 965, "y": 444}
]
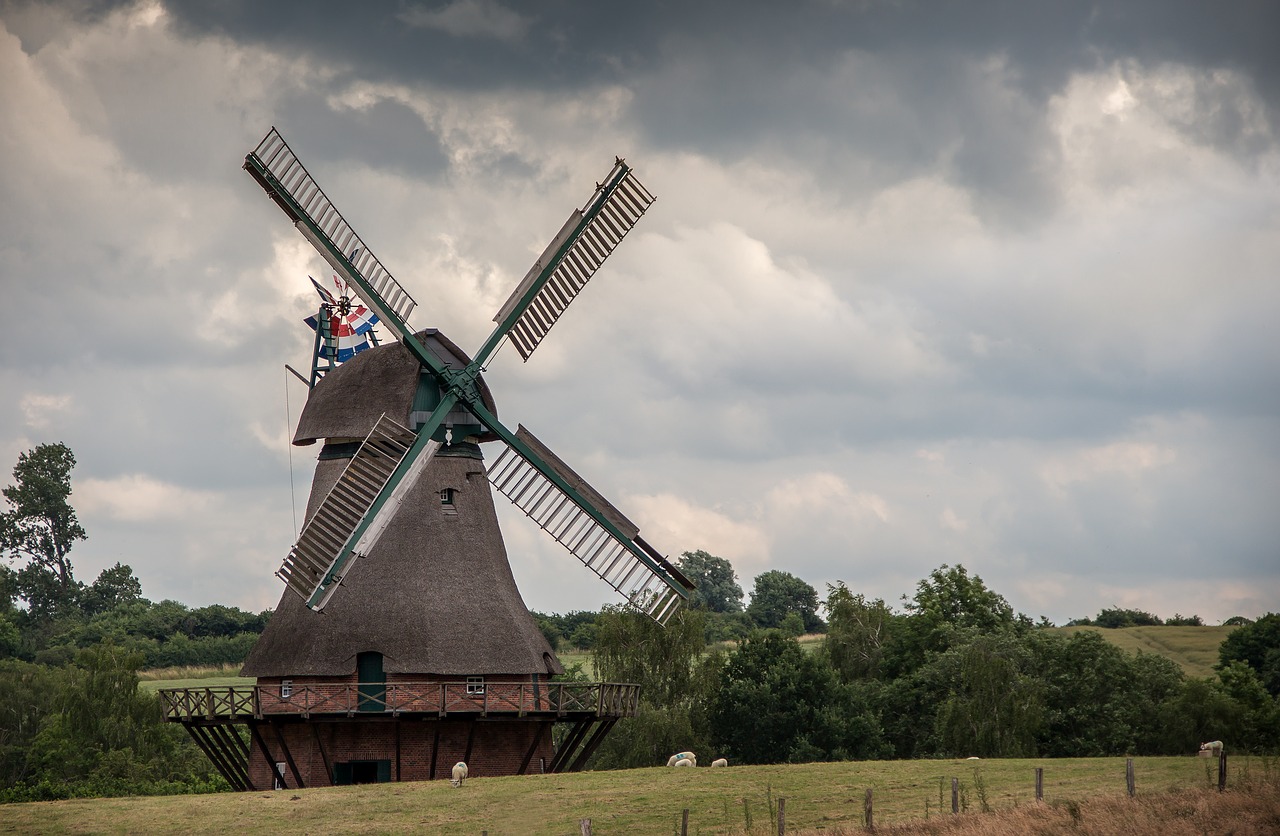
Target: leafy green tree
[
  {"x": 114, "y": 586},
  {"x": 716, "y": 583},
  {"x": 777, "y": 704},
  {"x": 674, "y": 678},
  {"x": 777, "y": 593},
  {"x": 996, "y": 705},
  {"x": 857, "y": 632},
  {"x": 1258, "y": 646},
  {"x": 40, "y": 527},
  {"x": 946, "y": 603},
  {"x": 1116, "y": 618}
]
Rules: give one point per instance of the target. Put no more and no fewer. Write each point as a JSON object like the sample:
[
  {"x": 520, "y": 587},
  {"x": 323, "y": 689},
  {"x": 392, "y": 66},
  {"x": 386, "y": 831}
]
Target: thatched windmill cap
[{"x": 351, "y": 398}]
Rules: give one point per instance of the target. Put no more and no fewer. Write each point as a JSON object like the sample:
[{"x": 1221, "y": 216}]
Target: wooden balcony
[{"x": 547, "y": 701}]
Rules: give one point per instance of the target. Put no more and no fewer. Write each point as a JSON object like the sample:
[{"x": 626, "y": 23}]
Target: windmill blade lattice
[
  {"x": 561, "y": 516},
  {"x": 274, "y": 165},
  {"x": 573, "y": 257},
  {"x": 324, "y": 552}
]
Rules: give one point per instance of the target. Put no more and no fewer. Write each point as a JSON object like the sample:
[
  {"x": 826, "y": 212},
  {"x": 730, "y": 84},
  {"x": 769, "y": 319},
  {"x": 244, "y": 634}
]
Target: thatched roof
[
  {"x": 349, "y": 400},
  {"x": 436, "y": 596}
]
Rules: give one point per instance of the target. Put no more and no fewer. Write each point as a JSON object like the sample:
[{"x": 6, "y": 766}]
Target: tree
[
  {"x": 857, "y": 630},
  {"x": 114, "y": 586},
  {"x": 1258, "y": 646},
  {"x": 777, "y": 593},
  {"x": 717, "y": 585},
  {"x": 41, "y": 527},
  {"x": 946, "y": 603},
  {"x": 1116, "y": 618}
]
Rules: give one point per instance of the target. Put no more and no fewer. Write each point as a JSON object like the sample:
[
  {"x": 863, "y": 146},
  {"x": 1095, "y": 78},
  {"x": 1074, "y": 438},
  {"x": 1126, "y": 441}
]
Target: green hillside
[{"x": 1195, "y": 649}]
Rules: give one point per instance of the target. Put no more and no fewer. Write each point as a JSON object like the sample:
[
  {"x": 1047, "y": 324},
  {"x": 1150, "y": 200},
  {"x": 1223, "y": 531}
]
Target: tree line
[{"x": 955, "y": 672}]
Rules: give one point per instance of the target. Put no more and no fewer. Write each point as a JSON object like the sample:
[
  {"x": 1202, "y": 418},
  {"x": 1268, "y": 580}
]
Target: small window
[
  {"x": 446, "y": 500},
  {"x": 277, "y": 778},
  {"x": 286, "y": 689},
  {"x": 475, "y": 686}
]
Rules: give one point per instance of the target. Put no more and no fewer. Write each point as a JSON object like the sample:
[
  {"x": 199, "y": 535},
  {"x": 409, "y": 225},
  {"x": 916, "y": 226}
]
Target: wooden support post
[
  {"x": 397, "y": 722},
  {"x": 471, "y": 736},
  {"x": 585, "y": 827},
  {"x": 1128, "y": 777},
  {"x": 1039, "y": 783},
  {"x": 1222, "y": 770},
  {"x": 533, "y": 747},
  {"x": 324, "y": 756},
  {"x": 288, "y": 756},
  {"x": 684, "y": 822},
  {"x": 782, "y": 816},
  {"x": 868, "y": 818},
  {"x": 955, "y": 795}
]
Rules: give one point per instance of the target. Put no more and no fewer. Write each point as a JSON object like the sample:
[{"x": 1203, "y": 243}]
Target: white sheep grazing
[
  {"x": 719, "y": 762},
  {"x": 1214, "y": 747},
  {"x": 690, "y": 756},
  {"x": 459, "y": 774},
  {"x": 671, "y": 761},
  {"x": 684, "y": 762}
]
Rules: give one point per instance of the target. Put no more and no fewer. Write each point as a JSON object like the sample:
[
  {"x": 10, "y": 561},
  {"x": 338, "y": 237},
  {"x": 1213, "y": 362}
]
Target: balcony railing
[{"x": 547, "y": 699}]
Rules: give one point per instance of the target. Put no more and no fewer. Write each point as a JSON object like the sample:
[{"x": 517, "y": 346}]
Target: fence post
[
  {"x": 955, "y": 795},
  {"x": 866, "y": 812},
  {"x": 585, "y": 825},
  {"x": 1128, "y": 776},
  {"x": 1222, "y": 770},
  {"x": 1039, "y": 783},
  {"x": 782, "y": 816},
  {"x": 684, "y": 822}
]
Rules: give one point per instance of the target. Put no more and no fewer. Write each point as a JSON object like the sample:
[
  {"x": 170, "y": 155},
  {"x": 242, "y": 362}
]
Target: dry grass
[
  {"x": 1187, "y": 813},
  {"x": 191, "y": 672}
]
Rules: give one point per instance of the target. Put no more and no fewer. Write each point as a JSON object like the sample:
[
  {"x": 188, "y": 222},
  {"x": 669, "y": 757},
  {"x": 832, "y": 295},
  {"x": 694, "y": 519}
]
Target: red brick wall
[{"x": 497, "y": 748}]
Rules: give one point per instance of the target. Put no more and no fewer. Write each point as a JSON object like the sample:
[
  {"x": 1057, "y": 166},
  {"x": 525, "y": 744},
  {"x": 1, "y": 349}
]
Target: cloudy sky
[{"x": 981, "y": 283}]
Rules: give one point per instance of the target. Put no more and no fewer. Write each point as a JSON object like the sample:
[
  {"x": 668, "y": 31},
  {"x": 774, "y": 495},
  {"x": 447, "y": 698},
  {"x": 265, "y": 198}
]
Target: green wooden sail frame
[{"x": 351, "y": 518}]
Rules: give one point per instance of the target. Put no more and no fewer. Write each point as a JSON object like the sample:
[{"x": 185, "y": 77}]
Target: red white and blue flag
[{"x": 350, "y": 331}]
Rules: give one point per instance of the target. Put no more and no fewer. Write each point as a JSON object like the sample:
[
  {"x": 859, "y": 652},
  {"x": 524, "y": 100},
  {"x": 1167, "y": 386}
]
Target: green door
[{"x": 372, "y": 682}]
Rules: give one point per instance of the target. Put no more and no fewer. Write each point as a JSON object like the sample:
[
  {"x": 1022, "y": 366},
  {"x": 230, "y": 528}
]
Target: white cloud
[
  {"x": 40, "y": 410},
  {"x": 138, "y": 498}
]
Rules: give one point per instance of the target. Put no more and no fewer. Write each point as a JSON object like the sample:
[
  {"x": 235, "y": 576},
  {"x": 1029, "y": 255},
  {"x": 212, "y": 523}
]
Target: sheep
[
  {"x": 690, "y": 756},
  {"x": 719, "y": 762},
  {"x": 1213, "y": 747},
  {"x": 684, "y": 762},
  {"x": 459, "y": 774}
]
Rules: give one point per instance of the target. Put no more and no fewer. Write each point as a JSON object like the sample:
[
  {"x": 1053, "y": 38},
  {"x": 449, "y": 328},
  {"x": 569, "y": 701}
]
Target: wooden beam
[
  {"x": 232, "y": 747},
  {"x": 215, "y": 756},
  {"x": 533, "y": 747},
  {"x": 288, "y": 756},
  {"x": 595, "y": 740},
  {"x": 324, "y": 757},
  {"x": 471, "y": 736},
  {"x": 435, "y": 750},
  {"x": 266, "y": 753}
]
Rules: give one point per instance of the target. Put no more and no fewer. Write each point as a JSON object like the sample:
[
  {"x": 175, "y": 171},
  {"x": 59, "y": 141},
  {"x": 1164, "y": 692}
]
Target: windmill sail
[
  {"x": 338, "y": 532},
  {"x": 572, "y": 258},
  {"x": 649, "y": 583},
  {"x": 278, "y": 170}
]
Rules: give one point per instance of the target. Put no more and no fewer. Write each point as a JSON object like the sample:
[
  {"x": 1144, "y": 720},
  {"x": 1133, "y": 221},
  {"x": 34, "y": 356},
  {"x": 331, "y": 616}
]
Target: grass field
[
  {"x": 1195, "y": 649},
  {"x": 826, "y": 796}
]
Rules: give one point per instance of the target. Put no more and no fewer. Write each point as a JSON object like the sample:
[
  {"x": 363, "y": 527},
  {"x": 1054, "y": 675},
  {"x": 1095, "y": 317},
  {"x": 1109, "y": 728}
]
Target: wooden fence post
[
  {"x": 782, "y": 816},
  {"x": 1222, "y": 770},
  {"x": 1128, "y": 776},
  {"x": 585, "y": 825},
  {"x": 866, "y": 812},
  {"x": 955, "y": 795},
  {"x": 1039, "y": 783},
  {"x": 684, "y": 822}
]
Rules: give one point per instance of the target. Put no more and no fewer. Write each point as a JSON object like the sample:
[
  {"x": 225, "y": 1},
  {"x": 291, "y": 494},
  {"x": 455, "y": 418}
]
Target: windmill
[
  {"x": 342, "y": 330},
  {"x": 401, "y": 642}
]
